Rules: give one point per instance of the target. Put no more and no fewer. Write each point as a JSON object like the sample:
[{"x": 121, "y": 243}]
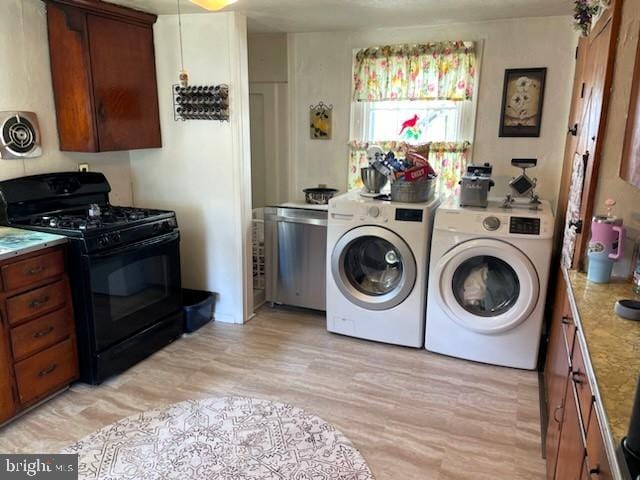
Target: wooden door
[
  {"x": 124, "y": 84},
  {"x": 571, "y": 449},
  {"x": 630, "y": 166},
  {"x": 556, "y": 373},
  {"x": 7, "y": 402},
  {"x": 71, "y": 78},
  {"x": 588, "y": 123}
]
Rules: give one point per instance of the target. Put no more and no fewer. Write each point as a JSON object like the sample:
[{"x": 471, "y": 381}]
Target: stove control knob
[
  {"x": 103, "y": 240},
  {"x": 115, "y": 237},
  {"x": 491, "y": 223},
  {"x": 374, "y": 212}
]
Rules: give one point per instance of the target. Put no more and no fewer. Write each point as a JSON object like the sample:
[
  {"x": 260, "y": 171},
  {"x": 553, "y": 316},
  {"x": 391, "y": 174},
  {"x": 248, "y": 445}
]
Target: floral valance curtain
[
  {"x": 449, "y": 160},
  {"x": 432, "y": 71}
]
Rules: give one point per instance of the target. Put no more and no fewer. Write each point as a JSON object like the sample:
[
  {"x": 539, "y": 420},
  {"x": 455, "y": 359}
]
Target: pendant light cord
[{"x": 180, "y": 34}]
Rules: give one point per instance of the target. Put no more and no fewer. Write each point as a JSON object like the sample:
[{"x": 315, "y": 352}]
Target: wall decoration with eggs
[{"x": 320, "y": 118}]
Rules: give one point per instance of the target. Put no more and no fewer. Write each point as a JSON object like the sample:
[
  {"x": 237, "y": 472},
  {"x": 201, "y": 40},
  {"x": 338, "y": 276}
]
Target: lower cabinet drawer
[
  {"x": 32, "y": 270},
  {"x": 41, "y": 333},
  {"x": 36, "y": 301},
  {"x": 597, "y": 462},
  {"x": 46, "y": 371}
]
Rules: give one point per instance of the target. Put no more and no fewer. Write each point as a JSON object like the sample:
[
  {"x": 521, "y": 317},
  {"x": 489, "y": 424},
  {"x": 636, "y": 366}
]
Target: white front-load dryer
[
  {"x": 488, "y": 278},
  {"x": 377, "y": 255}
]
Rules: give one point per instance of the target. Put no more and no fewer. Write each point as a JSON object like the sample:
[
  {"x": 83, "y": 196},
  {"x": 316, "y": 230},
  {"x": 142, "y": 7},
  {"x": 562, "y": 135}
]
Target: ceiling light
[{"x": 213, "y": 5}]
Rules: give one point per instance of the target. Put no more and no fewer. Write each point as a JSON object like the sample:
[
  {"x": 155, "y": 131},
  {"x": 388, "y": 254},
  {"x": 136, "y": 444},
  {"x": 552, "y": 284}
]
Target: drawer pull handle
[
  {"x": 577, "y": 377},
  {"x": 565, "y": 320},
  {"x": 43, "y": 333},
  {"x": 594, "y": 472},
  {"x": 36, "y": 270},
  {"x": 38, "y": 302},
  {"x": 555, "y": 414},
  {"x": 47, "y": 371}
]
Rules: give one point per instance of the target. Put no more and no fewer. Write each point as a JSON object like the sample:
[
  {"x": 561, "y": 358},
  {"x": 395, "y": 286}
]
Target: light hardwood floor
[{"x": 412, "y": 414}]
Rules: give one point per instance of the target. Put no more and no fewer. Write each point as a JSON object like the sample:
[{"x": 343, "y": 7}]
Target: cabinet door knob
[{"x": 101, "y": 111}]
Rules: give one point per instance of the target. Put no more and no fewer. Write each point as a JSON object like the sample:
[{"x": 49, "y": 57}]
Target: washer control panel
[
  {"x": 409, "y": 215},
  {"x": 491, "y": 223}
]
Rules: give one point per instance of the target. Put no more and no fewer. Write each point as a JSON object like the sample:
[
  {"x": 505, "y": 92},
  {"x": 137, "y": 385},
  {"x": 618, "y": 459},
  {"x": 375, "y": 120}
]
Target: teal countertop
[{"x": 15, "y": 241}]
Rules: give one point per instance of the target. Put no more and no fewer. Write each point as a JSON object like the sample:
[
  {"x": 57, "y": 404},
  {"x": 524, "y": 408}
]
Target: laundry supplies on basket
[{"x": 412, "y": 178}]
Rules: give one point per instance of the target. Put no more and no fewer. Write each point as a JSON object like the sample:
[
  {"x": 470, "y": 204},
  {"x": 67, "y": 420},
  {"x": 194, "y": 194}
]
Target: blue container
[
  {"x": 599, "y": 270},
  {"x": 199, "y": 306}
]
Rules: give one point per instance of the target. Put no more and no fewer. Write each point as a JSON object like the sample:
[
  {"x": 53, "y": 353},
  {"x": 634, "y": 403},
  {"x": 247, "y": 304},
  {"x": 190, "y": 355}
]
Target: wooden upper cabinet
[{"x": 104, "y": 76}]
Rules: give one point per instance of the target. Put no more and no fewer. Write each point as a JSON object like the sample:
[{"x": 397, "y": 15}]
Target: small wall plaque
[{"x": 320, "y": 118}]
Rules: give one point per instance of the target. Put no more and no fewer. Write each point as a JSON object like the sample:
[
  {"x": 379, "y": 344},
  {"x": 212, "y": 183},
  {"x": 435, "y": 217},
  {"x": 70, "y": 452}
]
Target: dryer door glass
[
  {"x": 373, "y": 265},
  {"x": 486, "y": 286}
]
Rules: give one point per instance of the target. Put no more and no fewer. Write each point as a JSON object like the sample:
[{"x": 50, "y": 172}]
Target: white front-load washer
[
  {"x": 377, "y": 255},
  {"x": 488, "y": 279}
]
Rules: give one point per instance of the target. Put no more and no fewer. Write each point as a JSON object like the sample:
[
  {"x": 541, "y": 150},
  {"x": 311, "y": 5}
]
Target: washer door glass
[
  {"x": 486, "y": 286},
  {"x": 373, "y": 265},
  {"x": 373, "y": 268}
]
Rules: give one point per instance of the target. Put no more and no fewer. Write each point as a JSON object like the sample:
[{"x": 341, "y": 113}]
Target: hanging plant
[{"x": 584, "y": 11}]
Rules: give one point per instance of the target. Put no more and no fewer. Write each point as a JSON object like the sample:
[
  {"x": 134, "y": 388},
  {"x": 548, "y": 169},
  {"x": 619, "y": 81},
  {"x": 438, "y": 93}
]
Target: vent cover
[{"x": 19, "y": 135}]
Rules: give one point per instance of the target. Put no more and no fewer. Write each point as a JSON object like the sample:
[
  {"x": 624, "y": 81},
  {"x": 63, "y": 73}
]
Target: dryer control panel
[{"x": 524, "y": 226}]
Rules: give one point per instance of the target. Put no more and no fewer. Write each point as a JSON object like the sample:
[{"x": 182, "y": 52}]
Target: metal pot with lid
[{"x": 319, "y": 195}]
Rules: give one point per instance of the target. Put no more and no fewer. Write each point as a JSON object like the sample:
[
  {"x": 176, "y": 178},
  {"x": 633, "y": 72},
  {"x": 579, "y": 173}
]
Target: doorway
[{"x": 268, "y": 103}]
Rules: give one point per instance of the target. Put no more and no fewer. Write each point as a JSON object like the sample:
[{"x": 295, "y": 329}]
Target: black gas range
[{"x": 124, "y": 265}]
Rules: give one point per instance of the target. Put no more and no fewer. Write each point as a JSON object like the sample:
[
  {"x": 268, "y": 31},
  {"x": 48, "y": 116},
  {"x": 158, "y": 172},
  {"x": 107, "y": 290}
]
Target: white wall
[
  {"x": 320, "y": 70},
  {"x": 267, "y": 57},
  {"x": 25, "y": 84},
  {"x": 203, "y": 167}
]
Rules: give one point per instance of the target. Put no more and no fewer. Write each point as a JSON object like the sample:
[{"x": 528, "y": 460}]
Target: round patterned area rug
[{"x": 231, "y": 438}]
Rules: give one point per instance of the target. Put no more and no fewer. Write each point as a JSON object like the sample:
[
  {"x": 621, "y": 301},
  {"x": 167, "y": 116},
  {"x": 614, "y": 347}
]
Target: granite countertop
[
  {"x": 15, "y": 241},
  {"x": 613, "y": 344}
]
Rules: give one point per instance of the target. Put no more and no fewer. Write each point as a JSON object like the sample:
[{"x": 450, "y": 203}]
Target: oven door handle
[{"x": 153, "y": 242}]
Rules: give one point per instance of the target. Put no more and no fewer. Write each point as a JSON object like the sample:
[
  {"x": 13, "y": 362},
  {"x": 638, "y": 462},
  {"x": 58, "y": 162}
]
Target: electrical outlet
[{"x": 83, "y": 167}]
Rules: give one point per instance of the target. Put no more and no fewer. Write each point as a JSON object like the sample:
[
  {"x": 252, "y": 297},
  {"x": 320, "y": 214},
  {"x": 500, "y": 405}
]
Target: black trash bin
[{"x": 198, "y": 308}]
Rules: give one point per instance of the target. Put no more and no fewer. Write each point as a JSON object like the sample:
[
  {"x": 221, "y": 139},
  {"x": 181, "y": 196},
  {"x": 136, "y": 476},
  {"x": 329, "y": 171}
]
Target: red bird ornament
[{"x": 412, "y": 122}]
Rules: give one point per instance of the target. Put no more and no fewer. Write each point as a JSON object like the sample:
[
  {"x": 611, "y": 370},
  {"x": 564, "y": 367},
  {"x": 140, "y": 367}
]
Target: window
[
  {"x": 415, "y": 94},
  {"x": 435, "y": 121}
]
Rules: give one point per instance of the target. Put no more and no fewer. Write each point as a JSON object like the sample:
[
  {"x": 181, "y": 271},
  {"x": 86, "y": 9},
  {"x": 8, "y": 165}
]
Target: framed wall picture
[
  {"x": 522, "y": 99},
  {"x": 320, "y": 118}
]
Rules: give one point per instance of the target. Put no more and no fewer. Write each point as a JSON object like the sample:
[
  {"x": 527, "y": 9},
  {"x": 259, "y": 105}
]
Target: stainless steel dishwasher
[{"x": 295, "y": 256}]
